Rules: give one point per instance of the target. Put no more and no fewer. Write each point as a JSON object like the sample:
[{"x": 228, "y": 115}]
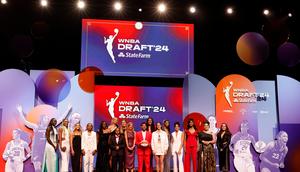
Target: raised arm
[
  {"x": 64, "y": 115},
  {"x": 25, "y": 122}
]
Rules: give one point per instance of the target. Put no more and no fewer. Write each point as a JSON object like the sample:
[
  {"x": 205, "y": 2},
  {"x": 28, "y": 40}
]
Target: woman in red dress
[{"x": 190, "y": 146}]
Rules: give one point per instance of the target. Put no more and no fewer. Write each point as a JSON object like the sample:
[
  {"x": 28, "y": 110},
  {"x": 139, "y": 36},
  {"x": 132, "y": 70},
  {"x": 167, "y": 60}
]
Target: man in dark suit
[
  {"x": 143, "y": 140},
  {"x": 117, "y": 145}
]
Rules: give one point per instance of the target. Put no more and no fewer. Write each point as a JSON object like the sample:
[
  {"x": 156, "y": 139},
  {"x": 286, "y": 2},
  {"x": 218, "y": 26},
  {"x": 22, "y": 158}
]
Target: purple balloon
[{"x": 288, "y": 54}]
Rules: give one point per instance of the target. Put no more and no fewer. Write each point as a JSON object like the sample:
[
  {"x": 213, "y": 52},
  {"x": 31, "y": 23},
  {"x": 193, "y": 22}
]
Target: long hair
[
  {"x": 168, "y": 127},
  {"x": 227, "y": 131},
  {"x": 80, "y": 129},
  {"x": 152, "y": 125},
  {"x": 51, "y": 121},
  {"x": 188, "y": 124},
  {"x": 101, "y": 128}
]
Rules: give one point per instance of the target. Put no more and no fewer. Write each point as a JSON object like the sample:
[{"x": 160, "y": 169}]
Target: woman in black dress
[
  {"x": 102, "y": 163},
  {"x": 223, "y": 141},
  {"x": 206, "y": 157},
  {"x": 76, "y": 148}
]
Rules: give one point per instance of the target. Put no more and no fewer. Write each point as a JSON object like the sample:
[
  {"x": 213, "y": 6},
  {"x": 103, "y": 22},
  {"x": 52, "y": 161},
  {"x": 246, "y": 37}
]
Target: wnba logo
[
  {"x": 111, "y": 103},
  {"x": 226, "y": 91},
  {"x": 109, "y": 44}
]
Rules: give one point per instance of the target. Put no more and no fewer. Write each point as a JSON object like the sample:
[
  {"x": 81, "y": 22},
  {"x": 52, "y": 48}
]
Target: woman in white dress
[
  {"x": 177, "y": 148},
  {"x": 64, "y": 145},
  {"x": 50, "y": 163},
  {"x": 159, "y": 145}
]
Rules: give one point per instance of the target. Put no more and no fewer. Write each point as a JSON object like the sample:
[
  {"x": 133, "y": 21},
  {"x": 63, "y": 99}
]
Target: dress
[
  {"x": 223, "y": 149},
  {"x": 102, "y": 163},
  {"x": 76, "y": 167},
  {"x": 206, "y": 160},
  {"x": 50, "y": 163},
  {"x": 65, "y": 156},
  {"x": 129, "y": 154},
  {"x": 191, "y": 151}
]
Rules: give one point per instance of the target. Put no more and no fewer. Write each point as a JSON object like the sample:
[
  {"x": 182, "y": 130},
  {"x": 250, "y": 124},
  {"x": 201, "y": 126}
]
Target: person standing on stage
[
  {"x": 190, "y": 146},
  {"x": 102, "y": 163},
  {"x": 206, "y": 157},
  {"x": 159, "y": 145},
  {"x": 50, "y": 163},
  {"x": 14, "y": 153},
  {"x": 177, "y": 148},
  {"x": 168, "y": 155},
  {"x": 76, "y": 148},
  {"x": 64, "y": 146},
  {"x": 150, "y": 128},
  {"x": 117, "y": 145},
  {"x": 223, "y": 141},
  {"x": 130, "y": 147},
  {"x": 123, "y": 127},
  {"x": 143, "y": 142},
  {"x": 89, "y": 148}
]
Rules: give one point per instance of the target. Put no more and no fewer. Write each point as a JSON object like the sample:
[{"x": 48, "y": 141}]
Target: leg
[
  {"x": 161, "y": 161},
  {"x": 180, "y": 162},
  {"x": 147, "y": 163},
  {"x": 86, "y": 162},
  {"x": 19, "y": 166},
  {"x": 194, "y": 157},
  {"x": 121, "y": 163},
  {"x": 175, "y": 162},
  {"x": 157, "y": 162},
  {"x": 114, "y": 163},
  {"x": 187, "y": 160},
  {"x": 140, "y": 163}
]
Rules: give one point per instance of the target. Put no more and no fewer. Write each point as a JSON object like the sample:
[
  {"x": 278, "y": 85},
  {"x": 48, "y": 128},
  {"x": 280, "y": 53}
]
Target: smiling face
[
  {"x": 77, "y": 126},
  {"x": 65, "y": 123},
  {"x": 206, "y": 126},
  {"x": 177, "y": 127},
  {"x": 223, "y": 127},
  {"x": 158, "y": 126}
]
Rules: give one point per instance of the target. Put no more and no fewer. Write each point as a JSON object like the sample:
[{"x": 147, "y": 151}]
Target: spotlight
[
  {"x": 192, "y": 9},
  {"x": 118, "y": 6},
  {"x": 3, "y": 2},
  {"x": 290, "y": 14},
  {"x": 161, "y": 8},
  {"x": 81, "y": 4},
  {"x": 266, "y": 12},
  {"x": 229, "y": 10},
  {"x": 140, "y": 10},
  {"x": 44, "y": 3},
  {"x": 139, "y": 25}
]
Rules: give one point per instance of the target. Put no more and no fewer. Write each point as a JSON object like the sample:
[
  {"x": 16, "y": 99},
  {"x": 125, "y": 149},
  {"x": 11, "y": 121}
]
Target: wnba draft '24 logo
[{"x": 226, "y": 92}]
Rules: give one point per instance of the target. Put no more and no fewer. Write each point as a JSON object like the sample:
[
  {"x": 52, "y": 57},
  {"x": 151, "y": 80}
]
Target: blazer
[
  {"x": 113, "y": 144},
  {"x": 139, "y": 138},
  {"x": 164, "y": 141}
]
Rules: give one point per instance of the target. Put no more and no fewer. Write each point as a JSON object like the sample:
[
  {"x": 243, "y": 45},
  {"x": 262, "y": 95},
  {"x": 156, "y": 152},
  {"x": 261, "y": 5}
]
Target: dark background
[{"x": 56, "y": 33}]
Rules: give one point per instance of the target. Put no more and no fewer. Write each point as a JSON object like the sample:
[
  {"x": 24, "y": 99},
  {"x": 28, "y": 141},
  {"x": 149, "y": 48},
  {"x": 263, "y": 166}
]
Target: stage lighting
[
  {"x": 44, "y": 3},
  {"x": 266, "y": 12},
  {"x": 140, "y": 10},
  {"x": 139, "y": 25},
  {"x": 192, "y": 9},
  {"x": 81, "y": 4},
  {"x": 290, "y": 14},
  {"x": 161, "y": 8},
  {"x": 3, "y": 2},
  {"x": 118, "y": 6},
  {"x": 229, "y": 10}
]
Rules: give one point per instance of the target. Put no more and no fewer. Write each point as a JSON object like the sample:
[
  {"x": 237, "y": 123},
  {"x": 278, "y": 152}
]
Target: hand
[
  {"x": 179, "y": 152},
  {"x": 117, "y": 147},
  {"x": 72, "y": 152},
  {"x": 83, "y": 152},
  {"x": 20, "y": 109},
  {"x": 63, "y": 149},
  {"x": 94, "y": 152}
]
